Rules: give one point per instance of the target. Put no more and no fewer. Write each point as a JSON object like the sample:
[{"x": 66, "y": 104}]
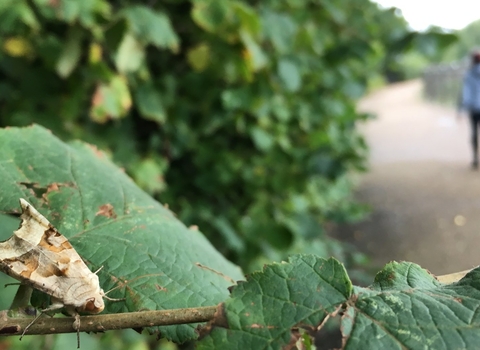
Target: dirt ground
[{"x": 424, "y": 196}]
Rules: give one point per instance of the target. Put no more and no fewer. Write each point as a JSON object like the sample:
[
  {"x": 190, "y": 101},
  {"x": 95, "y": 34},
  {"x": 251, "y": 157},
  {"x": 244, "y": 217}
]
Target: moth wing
[
  {"x": 32, "y": 229},
  {"x": 37, "y": 254}
]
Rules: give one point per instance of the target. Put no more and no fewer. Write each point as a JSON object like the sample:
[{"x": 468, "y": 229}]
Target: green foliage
[
  {"x": 114, "y": 224},
  {"x": 468, "y": 40},
  {"x": 408, "y": 52},
  {"x": 240, "y": 115},
  {"x": 262, "y": 311},
  {"x": 405, "y": 308}
]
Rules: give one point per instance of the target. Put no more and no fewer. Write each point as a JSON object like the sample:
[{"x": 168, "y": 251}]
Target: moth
[{"x": 39, "y": 256}]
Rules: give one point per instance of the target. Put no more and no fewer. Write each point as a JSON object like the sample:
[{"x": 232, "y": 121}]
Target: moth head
[
  {"x": 94, "y": 305},
  {"x": 91, "y": 297}
]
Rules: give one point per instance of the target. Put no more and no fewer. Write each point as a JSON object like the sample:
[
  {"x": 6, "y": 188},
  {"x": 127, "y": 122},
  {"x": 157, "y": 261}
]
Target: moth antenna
[
  {"x": 114, "y": 299},
  {"x": 123, "y": 284},
  {"x": 111, "y": 290},
  {"x": 105, "y": 294}
]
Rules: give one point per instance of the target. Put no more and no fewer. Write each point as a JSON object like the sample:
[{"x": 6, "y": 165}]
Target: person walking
[{"x": 471, "y": 101}]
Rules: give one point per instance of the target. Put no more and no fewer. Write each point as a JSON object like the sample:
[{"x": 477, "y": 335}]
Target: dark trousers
[{"x": 475, "y": 123}]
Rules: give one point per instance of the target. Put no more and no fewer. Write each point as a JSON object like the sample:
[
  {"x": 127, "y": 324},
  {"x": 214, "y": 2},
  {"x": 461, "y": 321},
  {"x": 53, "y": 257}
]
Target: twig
[{"x": 99, "y": 323}]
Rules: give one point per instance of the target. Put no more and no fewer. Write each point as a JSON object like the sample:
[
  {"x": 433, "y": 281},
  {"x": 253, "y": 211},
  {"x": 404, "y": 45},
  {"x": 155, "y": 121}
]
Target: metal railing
[{"x": 442, "y": 83}]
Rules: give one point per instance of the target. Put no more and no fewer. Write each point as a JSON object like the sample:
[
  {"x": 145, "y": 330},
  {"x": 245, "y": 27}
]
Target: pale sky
[{"x": 447, "y": 14}]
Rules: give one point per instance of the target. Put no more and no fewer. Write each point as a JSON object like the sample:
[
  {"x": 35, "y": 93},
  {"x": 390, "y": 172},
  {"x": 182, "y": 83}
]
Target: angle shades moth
[{"x": 39, "y": 256}]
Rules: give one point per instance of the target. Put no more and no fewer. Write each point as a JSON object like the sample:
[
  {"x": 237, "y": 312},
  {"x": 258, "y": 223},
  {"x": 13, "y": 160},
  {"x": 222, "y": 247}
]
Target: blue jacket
[{"x": 471, "y": 89}]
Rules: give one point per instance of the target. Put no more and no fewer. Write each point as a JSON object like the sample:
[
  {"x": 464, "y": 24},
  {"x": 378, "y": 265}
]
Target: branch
[{"x": 99, "y": 323}]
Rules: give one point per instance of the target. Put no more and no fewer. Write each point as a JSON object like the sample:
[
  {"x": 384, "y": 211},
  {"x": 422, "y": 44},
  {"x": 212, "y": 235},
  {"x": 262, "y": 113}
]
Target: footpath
[{"x": 425, "y": 198}]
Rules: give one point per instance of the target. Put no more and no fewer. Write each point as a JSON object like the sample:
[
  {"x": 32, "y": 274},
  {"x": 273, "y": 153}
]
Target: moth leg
[
  {"x": 76, "y": 326},
  {"x": 54, "y": 306},
  {"x": 13, "y": 284}
]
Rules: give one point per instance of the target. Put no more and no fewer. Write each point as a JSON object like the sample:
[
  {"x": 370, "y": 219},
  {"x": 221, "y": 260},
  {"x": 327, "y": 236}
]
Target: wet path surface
[{"x": 425, "y": 199}]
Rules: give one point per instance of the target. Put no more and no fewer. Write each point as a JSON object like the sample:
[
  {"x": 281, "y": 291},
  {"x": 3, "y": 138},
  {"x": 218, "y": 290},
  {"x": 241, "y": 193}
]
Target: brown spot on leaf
[
  {"x": 54, "y": 3},
  {"x": 52, "y": 187},
  {"x": 55, "y": 187},
  {"x": 225, "y": 277},
  {"x": 107, "y": 211},
  {"x": 160, "y": 288},
  {"x": 95, "y": 150}
]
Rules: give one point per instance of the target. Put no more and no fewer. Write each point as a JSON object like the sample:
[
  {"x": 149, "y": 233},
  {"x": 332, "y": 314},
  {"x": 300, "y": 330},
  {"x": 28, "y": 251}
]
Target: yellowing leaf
[
  {"x": 95, "y": 53},
  {"x": 130, "y": 54},
  {"x": 198, "y": 57},
  {"x": 17, "y": 47},
  {"x": 253, "y": 54},
  {"x": 111, "y": 101}
]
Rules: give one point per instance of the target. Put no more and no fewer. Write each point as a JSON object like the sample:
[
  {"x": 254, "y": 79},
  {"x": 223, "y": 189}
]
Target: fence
[{"x": 442, "y": 82}]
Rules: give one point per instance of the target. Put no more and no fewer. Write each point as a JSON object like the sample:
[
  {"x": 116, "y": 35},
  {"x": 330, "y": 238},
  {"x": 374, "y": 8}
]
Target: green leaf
[
  {"x": 229, "y": 234},
  {"x": 254, "y": 54},
  {"x": 280, "y": 29},
  {"x": 262, "y": 139},
  {"x": 262, "y": 311},
  {"x": 405, "y": 308},
  {"x": 85, "y": 11},
  {"x": 288, "y": 72},
  {"x": 71, "y": 53},
  {"x": 212, "y": 15},
  {"x": 153, "y": 27},
  {"x": 237, "y": 99},
  {"x": 148, "y": 174},
  {"x": 114, "y": 224},
  {"x": 130, "y": 54},
  {"x": 149, "y": 102}
]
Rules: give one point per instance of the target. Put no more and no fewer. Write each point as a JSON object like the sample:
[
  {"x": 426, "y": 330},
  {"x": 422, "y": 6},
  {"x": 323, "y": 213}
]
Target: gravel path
[{"x": 425, "y": 199}]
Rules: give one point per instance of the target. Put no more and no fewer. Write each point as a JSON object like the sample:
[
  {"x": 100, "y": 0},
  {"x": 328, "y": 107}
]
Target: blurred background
[{"x": 278, "y": 127}]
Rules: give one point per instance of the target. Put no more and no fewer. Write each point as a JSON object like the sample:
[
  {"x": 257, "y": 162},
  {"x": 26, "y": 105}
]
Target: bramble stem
[{"x": 99, "y": 323}]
